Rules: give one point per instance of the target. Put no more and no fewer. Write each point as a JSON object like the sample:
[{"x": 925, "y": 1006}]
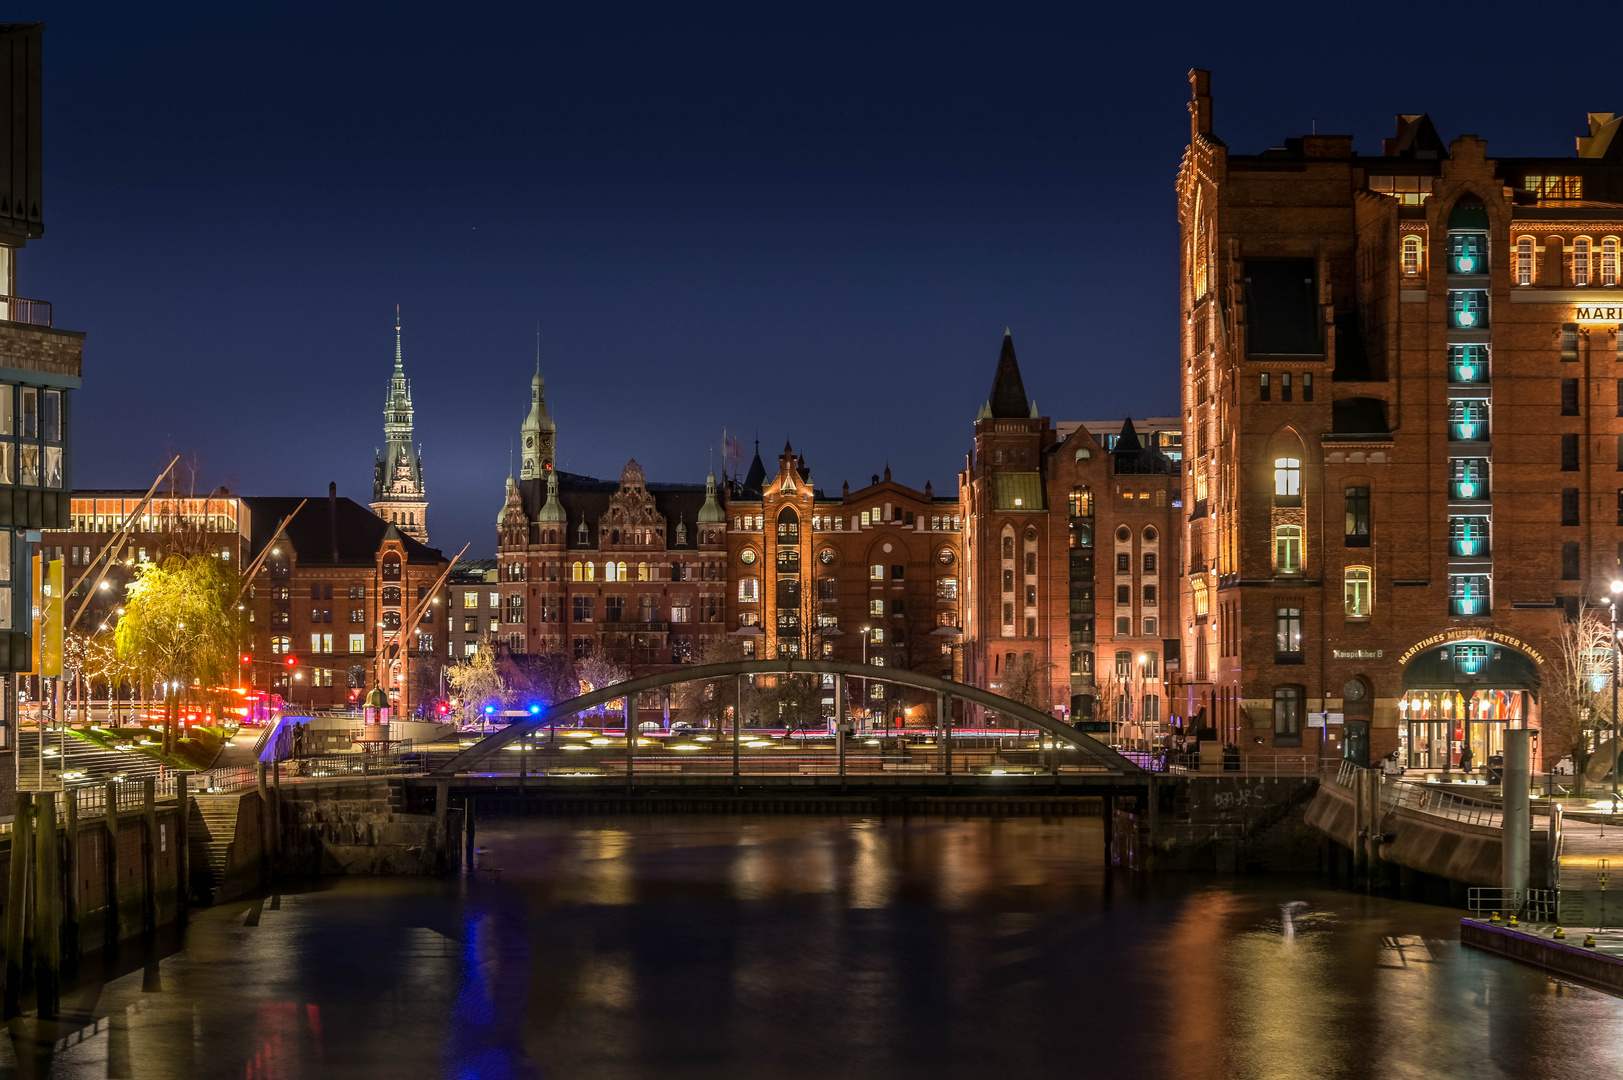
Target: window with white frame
[
  {"x": 1357, "y": 592},
  {"x": 1287, "y": 549},
  {"x": 1411, "y": 255},
  {"x": 1524, "y": 261},
  {"x": 1580, "y": 261},
  {"x": 1608, "y": 261}
]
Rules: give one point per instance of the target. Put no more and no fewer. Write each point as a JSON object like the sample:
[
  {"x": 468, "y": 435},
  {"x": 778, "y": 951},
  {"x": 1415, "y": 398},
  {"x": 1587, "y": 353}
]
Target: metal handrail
[{"x": 23, "y": 310}]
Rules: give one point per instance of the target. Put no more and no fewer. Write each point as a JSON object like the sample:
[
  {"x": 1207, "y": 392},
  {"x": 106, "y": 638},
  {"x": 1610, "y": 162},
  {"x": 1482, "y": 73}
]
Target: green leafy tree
[{"x": 179, "y": 628}]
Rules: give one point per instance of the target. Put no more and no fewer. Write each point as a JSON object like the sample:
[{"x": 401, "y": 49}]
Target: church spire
[{"x": 1007, "y": 400}]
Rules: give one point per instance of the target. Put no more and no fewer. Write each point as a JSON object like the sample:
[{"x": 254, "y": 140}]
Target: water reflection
[{"x": 799, "y": 948}]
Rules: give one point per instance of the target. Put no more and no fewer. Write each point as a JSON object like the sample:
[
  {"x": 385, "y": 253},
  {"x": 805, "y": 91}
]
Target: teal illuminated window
[
  {"x": 1470, "y": 657},
  {"x": 1467, "y": 536},
  {"x": 1468, "y": 594},
  {"x": 1468, "y": 363},
  {"x": 1467, "y": 253},
  {"x": 1468, "y": 309},
  {"x": 1468, "y": 478},
  {"x": 1467, "y": 419}
]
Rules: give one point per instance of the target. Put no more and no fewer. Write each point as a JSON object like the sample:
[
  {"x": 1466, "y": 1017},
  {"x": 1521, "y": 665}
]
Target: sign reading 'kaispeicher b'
[{"x": 1598, "y": 313}]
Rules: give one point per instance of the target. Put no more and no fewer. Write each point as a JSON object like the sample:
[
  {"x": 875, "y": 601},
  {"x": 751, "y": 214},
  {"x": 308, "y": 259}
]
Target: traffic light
[
  {"x": 247, "y": 658},
  {"x": 291, "y": 660}
]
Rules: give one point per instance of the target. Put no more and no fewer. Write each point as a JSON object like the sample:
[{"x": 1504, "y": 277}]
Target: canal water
[{"x": 797, "y": 947}]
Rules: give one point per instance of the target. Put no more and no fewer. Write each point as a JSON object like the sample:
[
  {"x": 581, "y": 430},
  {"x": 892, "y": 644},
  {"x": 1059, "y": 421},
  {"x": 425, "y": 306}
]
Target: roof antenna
[{"x": 538, "y": 347}]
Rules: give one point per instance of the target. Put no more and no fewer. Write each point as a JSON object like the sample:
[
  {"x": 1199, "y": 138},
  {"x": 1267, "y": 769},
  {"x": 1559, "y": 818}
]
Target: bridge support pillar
[
  {"x": 943, "y": 712},
  {"x": 738, "y": 721},
  {"x": 1518, "y": 813},
  {"x": 839, "y": 726}
]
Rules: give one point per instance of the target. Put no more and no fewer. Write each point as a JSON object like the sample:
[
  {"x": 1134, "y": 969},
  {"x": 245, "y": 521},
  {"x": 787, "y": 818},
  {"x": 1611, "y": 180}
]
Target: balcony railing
[{"x": 23, "y": 310}]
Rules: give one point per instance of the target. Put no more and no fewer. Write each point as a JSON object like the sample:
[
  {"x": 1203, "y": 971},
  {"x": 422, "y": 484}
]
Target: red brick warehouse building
[
  {"x": 1402, "y": 396},
  {"x": 1070, "y": 559}
]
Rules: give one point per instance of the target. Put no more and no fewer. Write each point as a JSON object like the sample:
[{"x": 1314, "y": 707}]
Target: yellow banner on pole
[{"x": 50, "y": 623}]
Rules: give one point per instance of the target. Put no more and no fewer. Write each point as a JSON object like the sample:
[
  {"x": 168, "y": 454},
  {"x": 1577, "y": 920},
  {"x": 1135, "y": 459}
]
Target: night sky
[{"x": 810, "y": 221}]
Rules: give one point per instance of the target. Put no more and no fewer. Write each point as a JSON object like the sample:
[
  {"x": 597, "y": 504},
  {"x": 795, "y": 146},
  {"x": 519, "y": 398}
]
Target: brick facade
[{"x": 1381, "y": 375}]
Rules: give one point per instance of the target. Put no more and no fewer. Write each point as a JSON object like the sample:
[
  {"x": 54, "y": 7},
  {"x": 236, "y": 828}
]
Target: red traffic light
[
  {"x": 291, "y": 661},
  {"x": 247, "y": 659}
]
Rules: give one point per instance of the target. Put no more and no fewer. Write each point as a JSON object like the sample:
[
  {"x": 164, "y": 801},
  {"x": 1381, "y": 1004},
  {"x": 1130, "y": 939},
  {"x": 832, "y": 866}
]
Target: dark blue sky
[{"x": 812, "y": 221}]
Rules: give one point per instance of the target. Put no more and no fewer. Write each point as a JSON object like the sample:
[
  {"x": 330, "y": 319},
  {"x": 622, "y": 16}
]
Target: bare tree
[
  {"x": 707, "y": 702},
  {"x": 1577, "y": 699},
  {"x": 599, "y": 672}
]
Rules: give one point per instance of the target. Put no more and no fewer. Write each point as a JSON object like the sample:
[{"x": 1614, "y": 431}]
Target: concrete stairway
[{"x": 211, "y": 832}]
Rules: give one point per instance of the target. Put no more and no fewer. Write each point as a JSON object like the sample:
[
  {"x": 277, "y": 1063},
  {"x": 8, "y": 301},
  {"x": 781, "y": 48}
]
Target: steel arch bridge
[{"x": 1103, "y": 756}]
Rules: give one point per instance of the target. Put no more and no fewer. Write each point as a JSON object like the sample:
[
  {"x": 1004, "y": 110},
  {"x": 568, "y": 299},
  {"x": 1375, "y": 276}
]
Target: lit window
[
  {"x": 1524, "y": 261},
  {"x": 1287, "y": 549},
  {"x": 1200, "y": 598},
  {"x": 1468, "y": 594},
  {"x": 1580, "y": 261},
  {"x": 1411, "y": 254},
  {"x": 1608, "y": 261},
  {"x": 1288, "y": 630},
  {"x": 1468, "y": 536},
  {"x": 1288, "y": 477},
  {"x": 1357, "y": 592},
  {"x": 1468, "y": 309},
  {"x": 749, "y": 590},
  {"x": 876, "y": 572}
]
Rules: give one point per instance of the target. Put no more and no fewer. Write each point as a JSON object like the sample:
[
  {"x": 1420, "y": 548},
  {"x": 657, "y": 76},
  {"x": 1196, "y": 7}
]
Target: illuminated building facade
[
  {"x": 1070, "y": 559},
  {"x": 1404, "y": 430},
  {"x": 869, "y": 576}
]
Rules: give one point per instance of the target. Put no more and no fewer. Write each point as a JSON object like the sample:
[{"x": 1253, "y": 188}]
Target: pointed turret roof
[
  {"x": 1008, "y": 398},
  {"x": 757, "y": 471},
  {"x": 1128, "y": 442}
]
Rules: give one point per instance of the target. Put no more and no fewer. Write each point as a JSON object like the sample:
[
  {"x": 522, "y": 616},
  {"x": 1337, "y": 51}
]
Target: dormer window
[
  {"x": 581, "y": 534},
  {"x": 681, "y": 533}
]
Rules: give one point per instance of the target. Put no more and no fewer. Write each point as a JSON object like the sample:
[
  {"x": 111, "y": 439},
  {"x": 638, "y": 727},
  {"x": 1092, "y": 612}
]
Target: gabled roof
[
  {"x": 757, "y": 472},
  {"x": 586, "y": 499},
  {"x": 356, "y": 531},
  {"x": 1008, "y": 397}
]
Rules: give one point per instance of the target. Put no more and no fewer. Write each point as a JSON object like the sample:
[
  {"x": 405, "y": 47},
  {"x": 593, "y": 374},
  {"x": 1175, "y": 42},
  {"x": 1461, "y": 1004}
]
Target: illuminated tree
[
  {"x": 1577, "y": 695},
  {"x": 179, "y": 627},
  {"x": 478, "y": 683}
]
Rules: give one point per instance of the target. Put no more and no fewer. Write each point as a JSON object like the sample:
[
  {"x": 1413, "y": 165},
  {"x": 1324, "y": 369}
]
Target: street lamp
[
  {"x": 1617, "y": 587},
  {"x": 865, "y": 636}
]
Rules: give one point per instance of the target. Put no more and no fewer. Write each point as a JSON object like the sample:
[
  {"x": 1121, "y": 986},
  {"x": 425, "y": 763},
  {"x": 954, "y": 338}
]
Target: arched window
[
  {"x": 608, "y": 571},
  {"x": 1199, "y": 598},
  {"x": 391, "y": 568},
  {"x": 1008, "y": 543},
  {"x": 1411, "y": 254},
  {"x": 1524, "y": 261},
  {"x": 391, "y": 595},
  {"x": 788, "y": 526},
  {"x": 591, "y": 571},
  {"x": 1287, "y": 549},
  {"x": 642, "y": 571},
  {"x": 1580, "y": 261},
  {"x": 622, "y": 572},
  {"x": 578, "y": 574},
  {"x": 580, "y": 534},
  {"x": 281, "y": 646},
  {"x": 1357, "y": 592},
  {"x": 1608, "y": 261}
]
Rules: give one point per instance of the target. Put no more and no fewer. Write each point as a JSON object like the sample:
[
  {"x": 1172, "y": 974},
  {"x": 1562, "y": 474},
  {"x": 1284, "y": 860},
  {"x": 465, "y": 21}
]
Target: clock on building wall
[
  {"x": 1353, "y": 691},
  {"x": 945, "y": 557},
  {"x": 826, "y": 556},
  {"x": 747, "y": 557},
  {"x": 529, "y": 442}
]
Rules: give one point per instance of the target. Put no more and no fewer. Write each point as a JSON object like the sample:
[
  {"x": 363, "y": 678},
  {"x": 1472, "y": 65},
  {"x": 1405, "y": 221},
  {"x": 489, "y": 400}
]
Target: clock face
[
  {"x": 826, "y": 556},
  {"x": 1353, "y": 691},
  {"x": 748, "y": 557},
  {"x": 945, "y": 557},
  {"x": 529, "y": 442}
]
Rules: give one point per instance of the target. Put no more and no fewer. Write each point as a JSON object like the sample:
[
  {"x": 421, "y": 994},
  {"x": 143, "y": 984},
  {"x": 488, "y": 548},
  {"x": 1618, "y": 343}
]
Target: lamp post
[
  {"x": 865, "y": 636},
  {"x": 1617, "y": 587}
]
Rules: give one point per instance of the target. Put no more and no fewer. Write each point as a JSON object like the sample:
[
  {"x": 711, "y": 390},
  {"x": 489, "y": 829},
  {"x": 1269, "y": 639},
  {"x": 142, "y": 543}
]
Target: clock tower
[
  {"x": 539, "y": 435},
  {"x": 397, "y": 477}
]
